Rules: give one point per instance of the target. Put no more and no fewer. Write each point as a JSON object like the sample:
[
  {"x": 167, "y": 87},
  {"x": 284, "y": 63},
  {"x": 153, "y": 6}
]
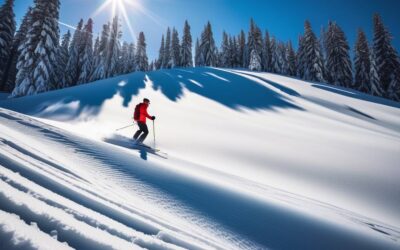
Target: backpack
[{"x": 136, "y": 115}]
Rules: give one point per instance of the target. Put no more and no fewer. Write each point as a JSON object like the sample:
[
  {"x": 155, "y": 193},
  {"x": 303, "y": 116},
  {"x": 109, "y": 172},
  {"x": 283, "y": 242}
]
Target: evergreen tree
[
  {"x": 63, "y": 55},
  {"x": 311, "y": 59},
  {"x": 8, "y": 83},
  {"x": 73, "y": 69},
  {"x": 385, "y": 56},
  {"x": 300, "y": 58},
  {"x": 161, "y": 54},
  {"x": 242, "y": 48},
  {"x": 267, "y": 53},
  {"x": 362, "y": 64},
  {"x": 100, "y": 68},
  {"x": 131, "y": 64},
  {"x": 186, "y": 47},
  {"x": 96, "y": 48},
  {"x": 114, "y": 47},
  {"x": 338, "y": 64},
  {"x": 197, "y": 53},
  {"x": 234, "y": 50},
  {"x": 225, "y": 56},
  {"x": 394, "y": 87},
  {"x": 275, "y": 58},
  {"x": 37, "y": 60},
  {"x": 167, "y": 50},
  {"x": 282, "y": 57},
  {"x": 375, "y": 81},
  {"x": 291, "y": 60},
  {"x": 86, "y": 60},
  {"x": 254, "y": 42},
  {"x": 255, "y": 61},
  {"x": 7, "y": 30},
  {"x": 175, "y": 58},
  {"x": 123, "y": 61},
  {"x": 141, "y": 55},
  {"x": 207, "y": 49}
]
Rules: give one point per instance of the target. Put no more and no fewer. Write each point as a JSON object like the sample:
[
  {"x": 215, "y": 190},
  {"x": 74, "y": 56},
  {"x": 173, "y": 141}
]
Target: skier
[{"x": 140, "y": 117}]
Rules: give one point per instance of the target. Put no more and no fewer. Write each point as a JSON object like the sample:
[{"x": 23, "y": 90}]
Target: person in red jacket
[{"x": 140, "y": 117}]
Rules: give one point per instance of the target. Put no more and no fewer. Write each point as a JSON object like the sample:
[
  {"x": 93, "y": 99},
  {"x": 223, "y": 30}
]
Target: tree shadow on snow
[
  {"x": 229, "y": 89},
  {"x": 79, "y": 101}
]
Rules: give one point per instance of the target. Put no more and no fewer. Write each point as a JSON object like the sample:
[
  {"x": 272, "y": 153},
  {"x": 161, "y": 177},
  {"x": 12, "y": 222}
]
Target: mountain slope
[{"x": 254, "y": 159}]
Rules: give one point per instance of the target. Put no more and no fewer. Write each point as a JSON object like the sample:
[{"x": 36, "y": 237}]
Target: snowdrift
[{"x": 255, "y": 160}]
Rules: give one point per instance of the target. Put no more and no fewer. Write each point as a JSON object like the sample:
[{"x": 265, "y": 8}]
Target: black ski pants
[{"x": 142, "y": 132}]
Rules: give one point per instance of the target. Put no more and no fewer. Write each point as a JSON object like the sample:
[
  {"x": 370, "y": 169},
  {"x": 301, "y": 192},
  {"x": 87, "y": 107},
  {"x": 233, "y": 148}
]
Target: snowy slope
[
  {"x": 255, "y": 160},
  {"x": 3, "y": 95}
]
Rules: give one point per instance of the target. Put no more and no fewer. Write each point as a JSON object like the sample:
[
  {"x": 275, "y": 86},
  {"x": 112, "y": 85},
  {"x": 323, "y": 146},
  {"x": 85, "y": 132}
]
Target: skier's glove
[{"x": 153, "y": 118}]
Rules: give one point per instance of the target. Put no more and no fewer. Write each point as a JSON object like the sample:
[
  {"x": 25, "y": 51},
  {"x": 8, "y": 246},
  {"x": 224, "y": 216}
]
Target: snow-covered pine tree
[
  {"x": 63, "y": 55},
  {"x": 275, "y": 60},
  {"x": 99, "y": 68},
  {"x": 167, "y": 50},
  {"x": 394, "y": 87},
  {"x": 300, "y": 58},
  {"x": 267, "y": 53},
  {"x": 86, "y": 59},
  {"x": 96, "y": 49},
  {"x": 186, "y": 47},
  {"x": 114, "y": 47},
  {"x": 385, "y": 56},
  {"x": 312, "y": 59},
  {"x": 225, "y": 56},
  {"x": 338, "y": 63},
  {"x": 131, "y": 64},
  {"x": 283, "y": 62},
  {"x": 233, "y": 47},
  {"x": 218, "y": 55},
  {"x": 37, "y": 61},
  {"x": 242, "y": 47},
  {"x": 208, "y": 51},
  {"x": 11, "y": 72},
  {"x": 175, "y": 49},
  {"x": 375, "y": 81},
  {"x": 254, "y": 41},
  {"x": 255, "y": 61},
  {"x": 362, "y": 64},
  {"x": 7, "y": 30},
  {"x": 73, "y": 69},
  {"x": 141, "y": 55},
  {"x": 161, "y": 53},
  {"x": 197, "y": 53},
  {"x": 123, "y": 59},
  {"x": 291, "y": 60}
]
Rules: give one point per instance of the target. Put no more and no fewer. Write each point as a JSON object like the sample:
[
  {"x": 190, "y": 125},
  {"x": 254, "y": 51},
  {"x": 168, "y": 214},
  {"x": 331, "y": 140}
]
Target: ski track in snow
[{"x": 60, "y": 190}]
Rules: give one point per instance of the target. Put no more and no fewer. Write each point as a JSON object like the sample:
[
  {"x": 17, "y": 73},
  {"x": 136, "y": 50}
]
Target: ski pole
[
  {"x": 125, "y": 127},
  {"x": 154, "y": 134}
]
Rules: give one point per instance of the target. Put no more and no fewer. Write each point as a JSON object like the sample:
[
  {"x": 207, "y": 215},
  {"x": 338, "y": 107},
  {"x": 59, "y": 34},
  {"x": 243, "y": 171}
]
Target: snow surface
[
  {"x": 3, "y": 95},
  {"x": 255, "y": 160}
]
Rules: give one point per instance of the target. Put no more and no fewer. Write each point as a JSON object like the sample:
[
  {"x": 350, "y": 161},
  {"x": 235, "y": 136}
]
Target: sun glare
[{"x": 121, "y": 8}]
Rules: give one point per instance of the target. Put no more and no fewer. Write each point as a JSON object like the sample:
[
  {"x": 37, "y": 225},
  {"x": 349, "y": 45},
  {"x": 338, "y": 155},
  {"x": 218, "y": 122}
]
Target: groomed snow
[{"x": 255, "y": 160}]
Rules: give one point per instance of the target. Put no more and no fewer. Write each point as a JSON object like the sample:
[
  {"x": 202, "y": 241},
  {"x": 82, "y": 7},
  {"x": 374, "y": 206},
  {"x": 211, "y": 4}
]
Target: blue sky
[{"x": 283, "y": 18}]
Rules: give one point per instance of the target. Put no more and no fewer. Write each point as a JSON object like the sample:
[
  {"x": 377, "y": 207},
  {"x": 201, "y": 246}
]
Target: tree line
[
  {"x": 34, "y": 59},
  {"x": 375, "y": 68}
]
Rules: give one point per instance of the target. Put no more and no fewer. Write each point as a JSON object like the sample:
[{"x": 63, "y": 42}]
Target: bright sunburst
[
  {"x": 122, "y": 7},
  {"x": 119, "y": 8}
]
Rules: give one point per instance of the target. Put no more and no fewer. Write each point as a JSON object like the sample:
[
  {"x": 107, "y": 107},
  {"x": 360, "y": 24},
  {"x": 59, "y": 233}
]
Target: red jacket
[{"x": 143, "y": 113}]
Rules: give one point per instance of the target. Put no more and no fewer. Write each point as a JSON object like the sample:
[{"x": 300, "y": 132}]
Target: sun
[{"x": 120, "y": 8}]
